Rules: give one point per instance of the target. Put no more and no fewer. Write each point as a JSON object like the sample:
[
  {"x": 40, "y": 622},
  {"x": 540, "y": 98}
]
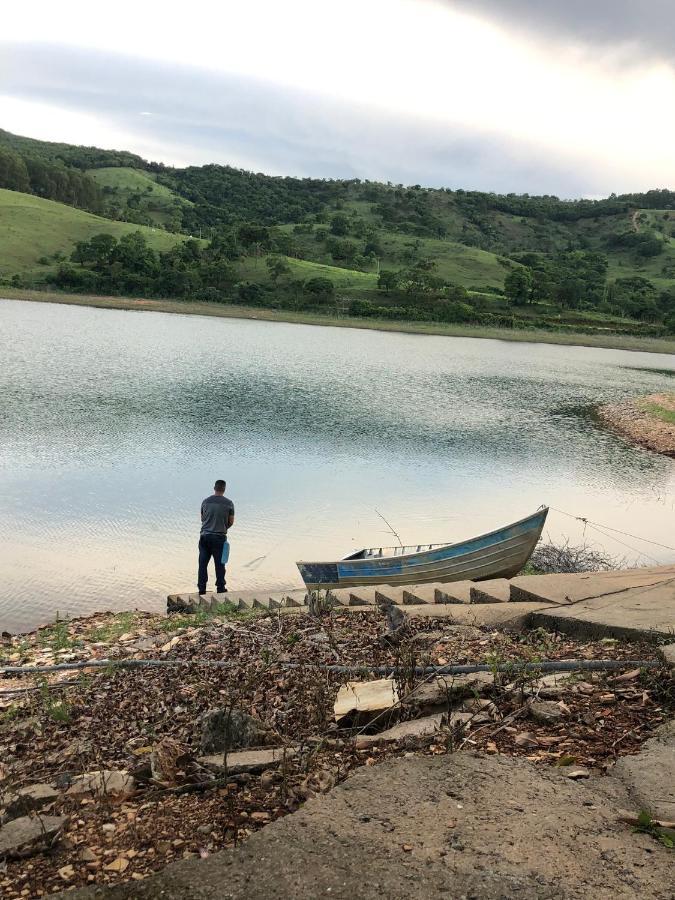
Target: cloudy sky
[{"x": 573, "y": 97}]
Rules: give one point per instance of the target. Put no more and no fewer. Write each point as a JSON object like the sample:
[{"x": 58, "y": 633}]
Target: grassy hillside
[
  {"x": 32, "y": 229},
  {"x": 135, "y": 195},
  {"x": 344, "y": 279},
  {"x": 384, "y": 251},
  {"x": 471, "y": 267}
]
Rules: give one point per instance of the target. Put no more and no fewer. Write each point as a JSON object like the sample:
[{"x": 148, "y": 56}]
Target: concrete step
[
  {"x": 341, "y": 596},
  {"x": 419, "y": 593},
  {"x": 362, "y": 596},
  {"x": 394, "y": 594},
  {"x": 495, "y": 590},
  {"x": 294, "y": 598},
  {"x": 454, "y": 592}
]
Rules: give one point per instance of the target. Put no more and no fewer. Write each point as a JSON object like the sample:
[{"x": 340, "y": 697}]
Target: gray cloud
[
  {"x": 645, "y": 25},
  {"x": 196, "y": 116}
]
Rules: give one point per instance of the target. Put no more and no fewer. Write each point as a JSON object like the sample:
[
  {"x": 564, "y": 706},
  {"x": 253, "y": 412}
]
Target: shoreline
[
  {"x": 640, "y": 421},
  {"x": 233, "y": 311},
  {"x": 114, "y": 774}
]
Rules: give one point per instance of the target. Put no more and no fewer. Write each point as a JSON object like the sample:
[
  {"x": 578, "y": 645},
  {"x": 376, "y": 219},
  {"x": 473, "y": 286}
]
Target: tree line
[{"x": 52, "y": 181}]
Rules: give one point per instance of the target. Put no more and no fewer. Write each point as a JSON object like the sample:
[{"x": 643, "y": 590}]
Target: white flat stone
[
  {"x": 250, "y": 761},
  {"x": 365, "y": 697},
  {"x": 415, "y": 728}
]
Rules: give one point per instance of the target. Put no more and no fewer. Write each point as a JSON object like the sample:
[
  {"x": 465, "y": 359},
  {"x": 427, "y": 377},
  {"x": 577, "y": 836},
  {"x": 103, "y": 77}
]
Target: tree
[
  {"x": 224, "y": 245},
  {"x": 13, "y": 172},
  {"x": 339, "y": 225},
  {"x": 387, "y": 281},
  {"x": 98, "y": 251},
  {"x": 133, "y": 254},
  {"x": 518, "y": 286},
  {"x": 251, "y": 233},
  {"x": 277, "y": 266},
  {"x": 341, "y": 249},
  {"x": 634, "y": 297},
  {"x": 320, "y": 286}
]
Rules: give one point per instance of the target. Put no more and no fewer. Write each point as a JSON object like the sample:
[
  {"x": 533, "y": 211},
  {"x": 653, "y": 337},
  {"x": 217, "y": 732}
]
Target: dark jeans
[{"x": 211, "y": 545}]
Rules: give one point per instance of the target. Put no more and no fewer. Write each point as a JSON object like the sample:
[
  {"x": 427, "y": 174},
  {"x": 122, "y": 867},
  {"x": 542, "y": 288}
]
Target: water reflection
[{"x": 114, "y": 424}]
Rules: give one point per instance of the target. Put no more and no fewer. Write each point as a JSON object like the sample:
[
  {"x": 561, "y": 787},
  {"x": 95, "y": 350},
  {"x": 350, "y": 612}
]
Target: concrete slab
[
  {"x": 495, "y": 590},
  {"x": 563, "y": 589},
  {"x": 295, "y": 598},
  {"x": 639, "y": 612},
  {"x": 650, "y": 775}
]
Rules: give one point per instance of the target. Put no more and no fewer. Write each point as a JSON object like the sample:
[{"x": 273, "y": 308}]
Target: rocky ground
[
  {"x": 638, "y": 421},
  {"x": 156, "y": 789},
  {"x": 446, "y": 827}
]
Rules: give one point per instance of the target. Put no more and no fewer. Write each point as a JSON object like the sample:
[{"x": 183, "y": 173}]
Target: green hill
[
  {"x": 383, "y": 250},
  {"x": 33, "y": 229},
  {"x": 135, "y": 196}
]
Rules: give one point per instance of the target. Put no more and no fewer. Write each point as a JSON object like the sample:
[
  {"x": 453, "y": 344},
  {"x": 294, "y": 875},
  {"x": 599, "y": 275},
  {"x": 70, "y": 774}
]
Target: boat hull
[{"x": 499, "y": 554}]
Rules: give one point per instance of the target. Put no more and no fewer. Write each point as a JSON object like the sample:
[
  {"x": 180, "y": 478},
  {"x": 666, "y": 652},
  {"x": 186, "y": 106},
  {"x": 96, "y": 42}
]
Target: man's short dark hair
[{"x": 219, "y": 485}]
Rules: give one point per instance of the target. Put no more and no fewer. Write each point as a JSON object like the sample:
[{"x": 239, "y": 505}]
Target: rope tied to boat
[{"x": 599, "y": 525}]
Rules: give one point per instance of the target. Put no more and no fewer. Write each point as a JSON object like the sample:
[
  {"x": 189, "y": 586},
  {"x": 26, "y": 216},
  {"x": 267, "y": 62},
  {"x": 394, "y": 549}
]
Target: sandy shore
[
  {"x": 647, "y": 421},
  {"x": 222, "y": 310}
]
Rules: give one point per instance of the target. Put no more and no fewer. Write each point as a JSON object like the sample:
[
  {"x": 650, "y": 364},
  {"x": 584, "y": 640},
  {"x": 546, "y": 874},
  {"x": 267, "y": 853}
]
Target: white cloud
[
  {"x": 417, "y": 59},
  {"x": 48, "y": 122}
]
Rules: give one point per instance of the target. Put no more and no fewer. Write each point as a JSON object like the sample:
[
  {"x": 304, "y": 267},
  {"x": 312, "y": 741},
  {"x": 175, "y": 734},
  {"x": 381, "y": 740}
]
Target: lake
[{"x": 114, "y": 425}]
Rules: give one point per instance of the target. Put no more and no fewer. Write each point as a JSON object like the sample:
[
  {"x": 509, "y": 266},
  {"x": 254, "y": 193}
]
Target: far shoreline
[
  {"x": 644, "y": 421},
  {"x": 439, "y": 329}
]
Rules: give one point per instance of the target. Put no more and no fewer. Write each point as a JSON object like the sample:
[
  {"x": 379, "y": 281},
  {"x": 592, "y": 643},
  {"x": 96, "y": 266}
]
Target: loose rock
[
  {"x": 28, "y": 799},
  {"x": 105, "y": 783},
  {"x": 369, "y": 698},
  {"x": 29, "y": 834},
  {"x": 228, "y": 729},
  {"x": 165, "y": 760},
  {"x": 546, "y": 711},
  {"x": 414, "y": 729},
  {"x": 525, "y": 739}
]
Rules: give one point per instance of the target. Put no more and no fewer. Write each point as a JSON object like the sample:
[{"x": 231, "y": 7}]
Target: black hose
[{"x": 562, "y": 665}]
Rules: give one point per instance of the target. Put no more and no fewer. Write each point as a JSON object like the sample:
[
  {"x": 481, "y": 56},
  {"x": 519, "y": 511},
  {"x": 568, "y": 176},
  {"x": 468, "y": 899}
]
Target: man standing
[{"x": 217, "y": 517}]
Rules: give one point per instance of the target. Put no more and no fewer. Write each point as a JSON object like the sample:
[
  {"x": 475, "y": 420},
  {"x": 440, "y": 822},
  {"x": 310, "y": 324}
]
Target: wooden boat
[{"x": 498, "y": 554}]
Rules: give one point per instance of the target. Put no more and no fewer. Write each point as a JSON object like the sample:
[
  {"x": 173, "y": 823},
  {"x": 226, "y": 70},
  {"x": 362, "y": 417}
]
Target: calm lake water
[{"x": 114, "y": 424}]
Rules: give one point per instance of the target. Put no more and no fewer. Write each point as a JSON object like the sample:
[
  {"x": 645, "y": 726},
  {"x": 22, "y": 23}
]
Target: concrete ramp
[
  {"x": 571, "y": 588},
  {"x": 639, "y": 612}
]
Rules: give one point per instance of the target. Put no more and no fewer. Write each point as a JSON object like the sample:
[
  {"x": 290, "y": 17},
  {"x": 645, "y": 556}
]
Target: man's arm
[{"x": 230, "y": 518}]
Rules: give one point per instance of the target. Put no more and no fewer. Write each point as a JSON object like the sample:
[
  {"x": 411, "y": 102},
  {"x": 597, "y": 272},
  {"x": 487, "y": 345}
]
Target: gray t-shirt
[{"x": 216, "y": 511}]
